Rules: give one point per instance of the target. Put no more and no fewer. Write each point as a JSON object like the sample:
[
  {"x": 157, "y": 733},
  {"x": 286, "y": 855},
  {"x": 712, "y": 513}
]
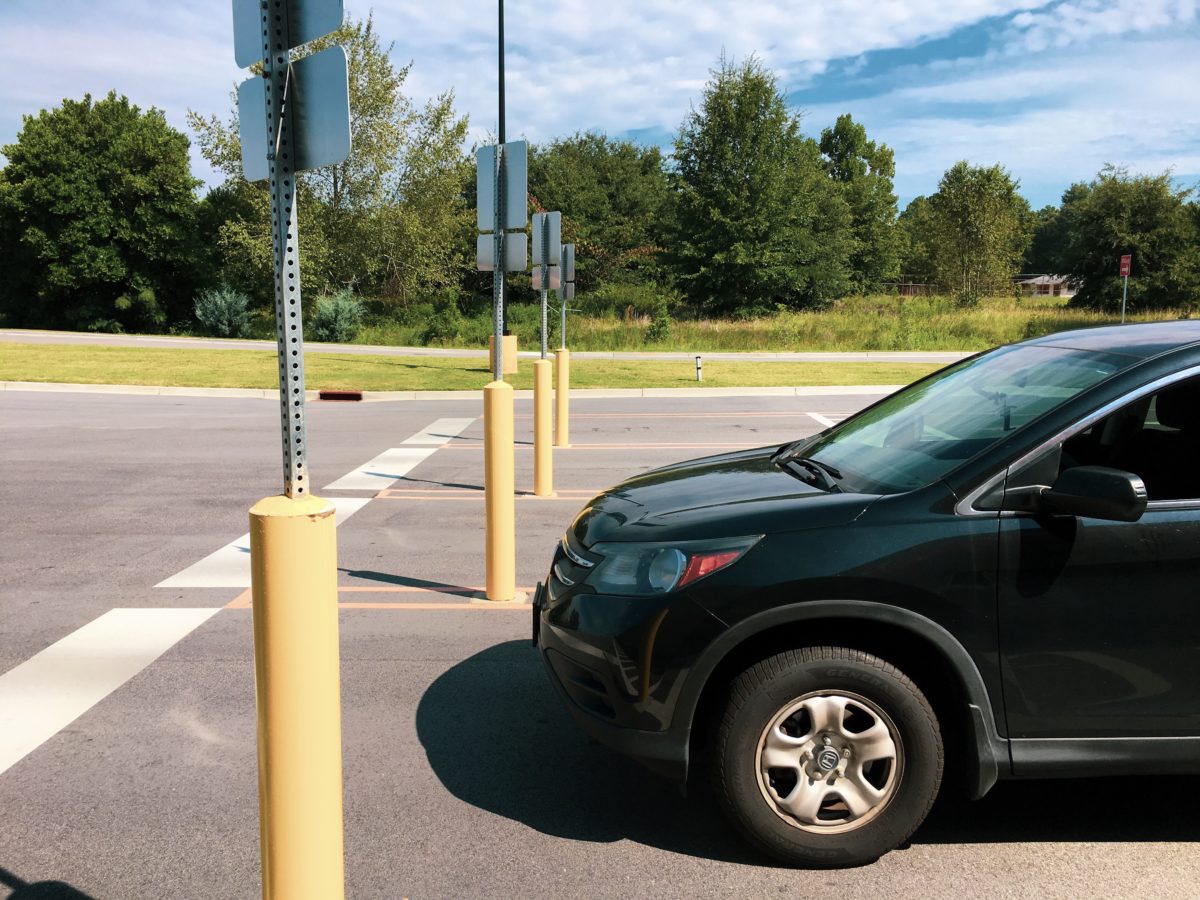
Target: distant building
[{"x": 1045, "y": 286}]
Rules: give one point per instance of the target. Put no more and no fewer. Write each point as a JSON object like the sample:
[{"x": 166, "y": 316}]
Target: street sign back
[
  {"x": 552, "y": 223},
  {"x": 307, "y": 21},
  {"x": 515, "y": 252},
  {"x": 553, "y": 280},
  {"x": 516, "y": 186},
  {"x": 568, "y": 262},
  {"x": 319, "y": 105}
]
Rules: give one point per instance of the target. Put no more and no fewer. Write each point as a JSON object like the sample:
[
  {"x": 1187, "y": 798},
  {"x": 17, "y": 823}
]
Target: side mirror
[{"x": 1096, "y": 492}]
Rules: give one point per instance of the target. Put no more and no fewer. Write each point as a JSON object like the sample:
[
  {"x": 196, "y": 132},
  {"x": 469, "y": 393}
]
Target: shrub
[
  {"x": 223, "y": 313},
  {"x": 627, "y": 300},
  {"x": 659, "y": 330},
  {"x": 967, "y": 299},
  {"x": 337, "y": 318},
  {"x": 445, "y": 323}
]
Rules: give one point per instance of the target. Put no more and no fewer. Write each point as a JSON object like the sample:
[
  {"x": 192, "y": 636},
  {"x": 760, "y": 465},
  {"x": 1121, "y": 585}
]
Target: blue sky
[{"x": 1050, "y": 90}]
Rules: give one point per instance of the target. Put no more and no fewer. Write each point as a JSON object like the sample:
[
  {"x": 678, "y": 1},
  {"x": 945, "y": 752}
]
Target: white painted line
[
  {"x": 821, "y": 420},
  {"x": 392, "y": 465},
  {"x": 230, "y": 566},
  {"x": 440, "y": 432},
  {"x": 45, "y": 694},
  {"x": 380, "y": 472}
]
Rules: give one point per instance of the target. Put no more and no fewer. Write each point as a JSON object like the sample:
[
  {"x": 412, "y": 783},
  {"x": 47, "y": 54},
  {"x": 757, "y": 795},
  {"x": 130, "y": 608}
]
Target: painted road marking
[
  {"x": 388, "y": 466},
  {"x": 392, "y": 465},
  {"x": 230, "y": 566},
  {"x": 440, "y": 432},
  {"x": 646, "y": 445},
  {"x": 450, "y": 494},
  {"x": 46, "y": 693},
  {"x": 772, "y": 414},
  {"x": 821, "y": 420},
  {"x": 244, "y": 600}
]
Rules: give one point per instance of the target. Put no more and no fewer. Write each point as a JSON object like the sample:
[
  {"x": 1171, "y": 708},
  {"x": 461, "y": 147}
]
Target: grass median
[{"x": 336, "y": 371}]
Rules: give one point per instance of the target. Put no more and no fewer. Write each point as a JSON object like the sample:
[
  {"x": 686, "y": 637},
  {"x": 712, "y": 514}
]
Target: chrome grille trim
[{"x": 575, "y": 557}]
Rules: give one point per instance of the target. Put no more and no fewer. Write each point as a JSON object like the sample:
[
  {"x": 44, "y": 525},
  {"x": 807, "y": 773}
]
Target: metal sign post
[
  {"x": 547, "y": 240},
  {"x": 502, "y": 205},
  {"x": 498, "y": 251},
  {"x": 566, "y": 290},
  {"x": 547, "y": 249},
  {"x": 502, "y": 212},
  {"x": 302, "y": 111},
  {"x": 544, "y": 245},
  {"x": 1126, "y": 267},
  {"x": 562, "y": 359}
]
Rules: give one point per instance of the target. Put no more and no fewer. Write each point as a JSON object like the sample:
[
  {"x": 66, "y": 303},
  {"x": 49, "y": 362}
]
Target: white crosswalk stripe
[
  {"x": 392, "y": 465},
  {"x": 230, "y": 566},
  {"x": 46, "y": 693}
]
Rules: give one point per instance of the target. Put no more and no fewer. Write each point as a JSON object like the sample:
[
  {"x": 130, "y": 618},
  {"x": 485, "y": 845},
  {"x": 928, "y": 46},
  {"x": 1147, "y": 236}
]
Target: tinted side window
[{"x": 1156, "y": 438}]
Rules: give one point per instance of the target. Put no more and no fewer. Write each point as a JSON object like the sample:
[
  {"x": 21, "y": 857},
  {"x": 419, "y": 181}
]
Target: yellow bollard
[
  {"x": 562, "y": 397},
  {"x": 543, "y": 456},
  {"x": 508, "y": 344},
  {"x": 498, "y": 482},
  {"x": 293, "y": 560}
]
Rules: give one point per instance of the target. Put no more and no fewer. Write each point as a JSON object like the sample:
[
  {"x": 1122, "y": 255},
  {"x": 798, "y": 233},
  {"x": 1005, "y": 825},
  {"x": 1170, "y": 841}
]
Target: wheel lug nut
[{"x": 826, "y": 740}]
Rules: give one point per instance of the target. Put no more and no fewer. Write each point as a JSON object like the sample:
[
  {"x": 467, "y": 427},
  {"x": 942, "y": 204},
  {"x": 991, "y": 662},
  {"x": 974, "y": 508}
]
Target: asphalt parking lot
[{"x": 463, "y": 776}]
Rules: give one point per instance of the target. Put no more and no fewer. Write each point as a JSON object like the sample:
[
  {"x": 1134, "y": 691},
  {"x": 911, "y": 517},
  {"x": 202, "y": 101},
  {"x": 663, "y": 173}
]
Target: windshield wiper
[{"x": 826, "y": 475}]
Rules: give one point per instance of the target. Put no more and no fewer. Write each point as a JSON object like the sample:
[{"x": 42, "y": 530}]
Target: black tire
[{"x": 825, "y": 675}]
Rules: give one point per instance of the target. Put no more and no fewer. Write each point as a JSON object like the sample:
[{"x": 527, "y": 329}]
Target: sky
[{"x": 1052, "y": 91}]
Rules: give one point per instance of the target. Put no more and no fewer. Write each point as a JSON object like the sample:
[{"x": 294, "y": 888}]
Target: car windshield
[{"x": 920, "y": 434}]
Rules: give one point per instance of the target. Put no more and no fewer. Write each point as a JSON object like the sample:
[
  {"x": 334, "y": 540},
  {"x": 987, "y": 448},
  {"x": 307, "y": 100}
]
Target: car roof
[{"x": 1141, "y": 341}]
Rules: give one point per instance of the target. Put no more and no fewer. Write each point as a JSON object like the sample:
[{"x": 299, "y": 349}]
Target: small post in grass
[{"x": 1126, "y": 266}]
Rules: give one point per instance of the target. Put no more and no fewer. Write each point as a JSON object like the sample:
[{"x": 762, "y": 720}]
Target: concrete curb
[{"x": 146, "y": 390}]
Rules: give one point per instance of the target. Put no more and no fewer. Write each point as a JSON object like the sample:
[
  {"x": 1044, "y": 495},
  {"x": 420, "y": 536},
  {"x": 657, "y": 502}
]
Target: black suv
[{"x": 998, "y": 566}]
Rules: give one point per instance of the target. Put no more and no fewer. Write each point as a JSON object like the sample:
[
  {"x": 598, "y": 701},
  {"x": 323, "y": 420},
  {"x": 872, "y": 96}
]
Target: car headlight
[{"x": 647, "y": 570}]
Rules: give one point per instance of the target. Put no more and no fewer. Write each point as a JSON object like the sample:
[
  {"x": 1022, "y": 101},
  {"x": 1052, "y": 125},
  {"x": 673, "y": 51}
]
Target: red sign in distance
[{"x": 1126, "y": 265}]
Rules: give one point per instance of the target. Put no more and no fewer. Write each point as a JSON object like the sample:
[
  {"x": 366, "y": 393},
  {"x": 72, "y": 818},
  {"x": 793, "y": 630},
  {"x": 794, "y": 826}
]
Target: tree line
[{"x": 102, "y": 226}]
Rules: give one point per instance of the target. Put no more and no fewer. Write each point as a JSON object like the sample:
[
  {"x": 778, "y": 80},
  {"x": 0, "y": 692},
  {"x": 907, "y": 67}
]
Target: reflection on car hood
[{"x": 718, "y": 496}]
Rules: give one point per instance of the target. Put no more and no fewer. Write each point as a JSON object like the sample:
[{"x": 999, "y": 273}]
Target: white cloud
[
  {"x": 1077, "y": 21},
  {"x": 1051, "y": 119},
  {"x": 637, "y": 64},
  {"x": 628, "y": 65}
]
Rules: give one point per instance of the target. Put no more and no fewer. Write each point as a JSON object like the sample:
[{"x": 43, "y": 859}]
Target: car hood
[{"x": 717, "y": 496}]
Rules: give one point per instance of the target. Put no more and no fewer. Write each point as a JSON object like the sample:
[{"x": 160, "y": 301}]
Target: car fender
[{"x": 992, "y": 751}]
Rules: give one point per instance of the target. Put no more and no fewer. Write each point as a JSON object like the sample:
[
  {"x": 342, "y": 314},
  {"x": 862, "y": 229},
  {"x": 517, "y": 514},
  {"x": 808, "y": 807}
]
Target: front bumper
[{"x": 619, "y": 670}]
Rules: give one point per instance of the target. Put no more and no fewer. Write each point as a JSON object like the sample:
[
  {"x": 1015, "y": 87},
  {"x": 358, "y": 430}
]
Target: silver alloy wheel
[{"x": 829, "y": 761}]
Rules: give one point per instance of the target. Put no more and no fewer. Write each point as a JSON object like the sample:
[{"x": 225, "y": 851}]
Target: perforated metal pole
[
  {"x": 500, "y": 198},
  {"x": 289, "y": 324},
  {"x": 545, "y": 276},
  {"x": 293, "y": 560},
  {"x": 498, "y": 272}
]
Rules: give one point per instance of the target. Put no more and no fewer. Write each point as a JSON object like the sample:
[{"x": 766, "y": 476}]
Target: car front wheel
[{"x": 827, "y": 756}]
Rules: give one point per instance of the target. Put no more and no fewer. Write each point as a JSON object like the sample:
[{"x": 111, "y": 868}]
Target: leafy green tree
[
  {"x": 865, "y": 170},
  {"x": 97, "y": 219},
  {"x": 385, "y": 221},
  {"x": 1143, "y": 215},
  {"x": 758, "y": 224},
  {"x": 980, "y": 228},
  {"x": 613, "y": 196},
  {"x": 1044, "y": 255},
  {"x": 916, "y": 242}
]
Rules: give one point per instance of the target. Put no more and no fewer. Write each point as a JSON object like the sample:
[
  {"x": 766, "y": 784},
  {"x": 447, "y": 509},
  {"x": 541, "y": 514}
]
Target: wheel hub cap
[
  {"x": 829, "y": 762},
  {"x": 828, "y": 759}
]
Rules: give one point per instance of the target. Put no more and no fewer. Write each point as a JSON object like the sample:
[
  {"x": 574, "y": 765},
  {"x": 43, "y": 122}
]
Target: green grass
[
  {"x": 334, "y": 371},
  {"x": 854, "y": 323}
]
